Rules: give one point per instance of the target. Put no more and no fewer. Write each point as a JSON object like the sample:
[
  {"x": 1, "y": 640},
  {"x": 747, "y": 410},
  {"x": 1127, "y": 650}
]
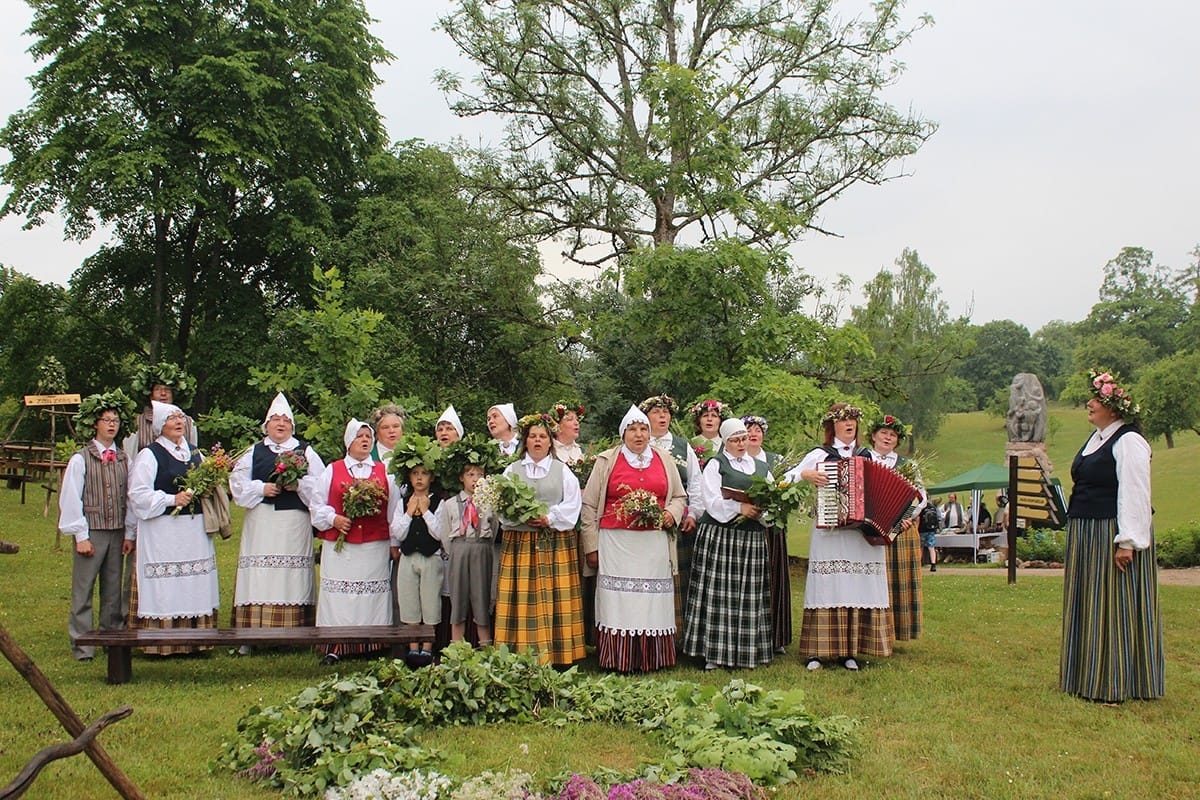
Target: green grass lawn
[{"x": 969, "y": 710}]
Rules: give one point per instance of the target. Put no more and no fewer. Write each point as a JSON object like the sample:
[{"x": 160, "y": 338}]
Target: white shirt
[
  {"x": 562, "y": 515},
  {"x": 509, "y": 447},
  {"x": 695, "y": 490},
  {"x": 71, "y": 520},
  {"x": 637, "y": 460},
  {"x": 1132, "y": 453},
  {"x": 248, "y": 493}
]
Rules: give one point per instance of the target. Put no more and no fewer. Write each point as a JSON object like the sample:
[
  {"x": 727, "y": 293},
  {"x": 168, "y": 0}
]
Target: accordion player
[{"x": 864, "y": 494}]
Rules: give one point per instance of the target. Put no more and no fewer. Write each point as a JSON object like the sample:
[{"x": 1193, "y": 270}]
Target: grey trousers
[{"x": 105, "y": 566}]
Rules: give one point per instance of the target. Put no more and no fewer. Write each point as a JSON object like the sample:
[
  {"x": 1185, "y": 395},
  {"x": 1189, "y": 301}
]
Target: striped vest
[{"x": 104, "y": 489}]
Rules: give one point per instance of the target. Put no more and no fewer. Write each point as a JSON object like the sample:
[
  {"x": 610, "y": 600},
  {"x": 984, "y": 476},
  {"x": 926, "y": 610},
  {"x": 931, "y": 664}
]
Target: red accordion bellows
[{"x": 867, "y": 495}]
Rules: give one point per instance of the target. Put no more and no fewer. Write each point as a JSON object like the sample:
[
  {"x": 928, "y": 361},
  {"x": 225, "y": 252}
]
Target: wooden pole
[
  {"x": 66, "y": 715},
  {"x": 1012, "y": 520}
]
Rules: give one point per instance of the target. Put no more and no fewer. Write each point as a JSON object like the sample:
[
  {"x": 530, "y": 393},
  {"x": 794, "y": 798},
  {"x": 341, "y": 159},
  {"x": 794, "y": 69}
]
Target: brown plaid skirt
[
  {"x": 904, "y": 584},
  {"x": 539, "y": 603}
]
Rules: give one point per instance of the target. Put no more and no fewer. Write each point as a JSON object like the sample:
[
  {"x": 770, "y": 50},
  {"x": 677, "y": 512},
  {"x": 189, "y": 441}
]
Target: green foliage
[
  {"x": 1169, "y": 393},
  {"x": 348, "y": 725},
  {"x": 236, "y": 431},
  {"x": 958, "y": 395},
  {"x": 31, "y": 322},
  {"x": 1179, "y": 547},
  {"x": 1042, "y": 545},
  {"x": 1138, "y": 301},
  {"x": 1003, "y": 348},
  {"x": 630, "y": 122},
  {"x": 414, "y": 450}
]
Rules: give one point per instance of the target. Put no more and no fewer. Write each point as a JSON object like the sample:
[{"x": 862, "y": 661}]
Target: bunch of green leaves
[
  {"x": 777, "y": 496},
  {"x": 510, "y": 497},
  {"x": 344, "y": 727},
  {"x": 414, "y": 450},
  {"x": 92, "y": 406},
  {"x": 163, "y": 373},
  {"x": 472, "y": 450}
]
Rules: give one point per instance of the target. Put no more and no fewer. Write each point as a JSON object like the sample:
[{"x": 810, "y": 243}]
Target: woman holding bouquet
[
  {"x": 633, "y": 497},
  {"x": 539, "y": 604},
  {"x": 846, "y": 594},
  {"x": 351, "y": 505},
  {"x": 275, "y": 585},
  {"x": 728, "y": 619},
  {"x": 176, "y": 563},
  {"x": 904, "y": 556}
]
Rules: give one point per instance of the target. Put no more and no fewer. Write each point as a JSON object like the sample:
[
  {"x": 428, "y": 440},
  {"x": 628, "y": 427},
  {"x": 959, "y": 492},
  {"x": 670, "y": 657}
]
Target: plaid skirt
[
  {"x": 728, "y": 619},
  {"x": 1112, "y": 641},
  {"x": 273, "y": 616},
  {"x": 904, "y": 584},
  {"x": 148, "y": 623},
  {"x": 539, "y": 604},
  {"x": 780, "y": 581},
  {"x": 843, "y": 632}
]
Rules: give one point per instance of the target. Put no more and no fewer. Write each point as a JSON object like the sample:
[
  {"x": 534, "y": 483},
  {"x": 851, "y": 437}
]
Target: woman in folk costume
[
  {"x": 275, "y": 585},
  {"x": 355, "y": 577},
  {"x": 779, "y": 577},
  {"x": 566, "y": 441},
  {"x": 904, "y": 555},
  {"x": 176, "y": 562},
  {"x": 1112, "y": 635},
  {"x": 728, "y": 619},
  {"x": 388, "y": 422},
  {"x": 448, "y": 429},
  {"x": 707, "y": 416},
  {"x": 502, "y": 425},
  {"x": 539, "y": 604},
  {"x": 635, "y": 590},
  {"x": 846, "y": 610}
]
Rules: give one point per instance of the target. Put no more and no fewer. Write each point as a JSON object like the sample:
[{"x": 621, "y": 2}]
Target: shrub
[
  {"x": 1042, "y": 545},
  {"x": 1180, "y": 547}
]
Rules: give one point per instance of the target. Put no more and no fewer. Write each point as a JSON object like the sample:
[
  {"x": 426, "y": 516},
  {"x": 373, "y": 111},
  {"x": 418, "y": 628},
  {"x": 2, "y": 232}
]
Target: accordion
[{"x": 866, "y": 495}]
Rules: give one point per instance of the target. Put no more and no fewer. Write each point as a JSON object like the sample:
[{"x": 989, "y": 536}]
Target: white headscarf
[
  {"x": 732, "y": 427},
  {"x": 352, "y": 429},
  {"x": 161, "y": 412},
  {"x": 508, "y": 412},
  {"x": 451, "y": 416},
  {"x": 279, "y": 408},
  {"x": 634, "y": 414}
]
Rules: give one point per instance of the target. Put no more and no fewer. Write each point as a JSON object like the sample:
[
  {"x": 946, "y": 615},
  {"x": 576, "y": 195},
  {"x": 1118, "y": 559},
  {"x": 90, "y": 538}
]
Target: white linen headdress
[
  {"x": 279, "y": 408},
  {"x": 352, "y": 429},
  {"x": 161, "y": 412},
  {"x": 634, "y": 414},
  {"x": 451, "y": 416},
  {"x": 508, "y": 412},
  {"x": 732, "y": 427}
]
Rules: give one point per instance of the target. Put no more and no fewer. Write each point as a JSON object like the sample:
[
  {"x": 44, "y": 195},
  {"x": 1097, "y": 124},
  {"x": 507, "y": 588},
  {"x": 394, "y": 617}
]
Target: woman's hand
[
  {"x": 592, "y": 559},
  {"x": 270, "y": 490},
  {"x": 539, "y": 522},
  {"x": 1123, "y": 558},
  {"x": 668, "y": 520},
  {"x": 815, "y": 477},
  {"x": 749, "y": 510},
  {"x": 341, "y": 524},
  {"x": 184, "y": 498}
]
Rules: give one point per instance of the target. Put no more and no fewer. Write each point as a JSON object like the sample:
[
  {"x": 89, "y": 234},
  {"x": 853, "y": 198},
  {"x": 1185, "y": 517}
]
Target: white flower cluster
[
  {"x": 507, "y": 785},
  {"x": 487, "y": 495},
  {"x": 383, "y": 785}
]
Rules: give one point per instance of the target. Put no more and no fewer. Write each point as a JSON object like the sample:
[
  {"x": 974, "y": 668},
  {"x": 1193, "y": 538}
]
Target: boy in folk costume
[
  {"x": 416, "y": 543},
  {"x": 275, "y": 579},
  {"x": 355, "y": 585},
  {"x": 92, "y": 508}
]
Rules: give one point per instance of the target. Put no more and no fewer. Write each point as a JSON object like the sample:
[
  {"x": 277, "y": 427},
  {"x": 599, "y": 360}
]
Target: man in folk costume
[
  {"x": 176, "y": 562},
  {"x": 658, "y": 410},
  {"x": 163, "y": 382},
  {"x": 449, "y": 428},
  {"x": 355, "y": 576},
  {"x": 275, "y": 585},
  {"x": 92, "y": 508},
  {"x": 502, "y": 425}
]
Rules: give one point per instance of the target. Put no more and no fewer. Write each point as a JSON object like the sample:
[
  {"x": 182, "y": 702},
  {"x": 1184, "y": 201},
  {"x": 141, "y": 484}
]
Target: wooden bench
[{"x": 120, "y": 644}]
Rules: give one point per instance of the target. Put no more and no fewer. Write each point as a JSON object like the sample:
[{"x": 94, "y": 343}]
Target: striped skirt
[
  {"x": 539, "y": 604},
  {"x": 904, "y": 584},
  {"x": 780, "y": 581},
  {"x": 1112, "y": 643},
  {"x": 728, "y": 619}
]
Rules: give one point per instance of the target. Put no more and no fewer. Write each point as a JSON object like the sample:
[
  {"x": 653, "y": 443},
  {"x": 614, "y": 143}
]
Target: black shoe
[
  {"x": 933, "y": 567},
  {"x": 330, "y": 659}
]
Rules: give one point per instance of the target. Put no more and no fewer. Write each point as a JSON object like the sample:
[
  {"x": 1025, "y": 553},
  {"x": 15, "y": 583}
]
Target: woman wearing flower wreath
[
  {"x": 728, "y": 617},
  {"x": 1112, "y": 642},
  {"x": 351, "y": 505},
  {"x": 566, "y": 442},
  {"x": 632, "y": 499},
  {"x": 176, "y": 561},
  {"x": 779, "y": 578},
  {"x": 904, "y": 555},
  {"x": 846, "y": 612},
  {"x": 276, "y": 582},
  {"x": 539, "y": 604},
  {"x": 707, "y": 416}
]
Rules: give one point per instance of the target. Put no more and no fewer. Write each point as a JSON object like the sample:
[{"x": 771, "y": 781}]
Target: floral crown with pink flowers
[
  {"x": 1112, "y": 396},
  {"x": 561, "y": 410},
  {"x": 892, "y": 422},
  {"x": 722, "y": 409}
]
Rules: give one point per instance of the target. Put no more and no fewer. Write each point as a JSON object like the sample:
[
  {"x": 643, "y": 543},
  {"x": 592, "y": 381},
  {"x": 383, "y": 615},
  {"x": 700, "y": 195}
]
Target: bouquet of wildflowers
[
  {"x": 290, "y": 467},
  {"x": 508, "y": 496},
  {"x": 210, "y": 474},
  {"x": 704, "y": 449},
  {"x": 639, "y": 509},
  {"x": 776, "y": 495},
  {"x": 361, "y": 497}
]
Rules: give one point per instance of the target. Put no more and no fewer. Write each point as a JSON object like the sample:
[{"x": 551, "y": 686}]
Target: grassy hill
[{"x": 968, "y": 440}]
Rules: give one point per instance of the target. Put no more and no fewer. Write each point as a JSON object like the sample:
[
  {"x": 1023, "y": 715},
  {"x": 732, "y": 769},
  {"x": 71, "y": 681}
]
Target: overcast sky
[{"x": 1068, "y": 129}]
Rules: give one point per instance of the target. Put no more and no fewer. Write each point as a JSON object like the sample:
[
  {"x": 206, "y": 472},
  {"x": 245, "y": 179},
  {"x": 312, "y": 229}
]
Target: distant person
[
  {"x": 1112, "y": 641},
  {"x": 953, "y": 516},
  {"x": 929, "y": 525},
  {"x": 983, "y": 519},
  {"x": 1000, "y": 521}
]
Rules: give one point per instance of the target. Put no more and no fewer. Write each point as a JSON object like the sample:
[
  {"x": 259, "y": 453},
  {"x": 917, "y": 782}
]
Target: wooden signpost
[{"x": 1032, "y": 500}]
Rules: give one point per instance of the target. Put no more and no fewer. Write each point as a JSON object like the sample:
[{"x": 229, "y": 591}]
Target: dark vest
[
  {"x": 836, "y": 455},
  {"x": 262, "y": 468},
  {"x": 170, "y": 470},
  {"x": 1094, "y": 495},
  {"x": 739, "y": 481},
  {"x": 419, "y": 539},
  {"x": 104, "y": 489}
]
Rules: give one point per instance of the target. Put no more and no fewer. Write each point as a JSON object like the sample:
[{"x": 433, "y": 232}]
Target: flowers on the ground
[
  {"x": 290, "y": 467},
  {"x": 206, "y": 477},
  {"x": 639, "y": 509},
  {"x": 383, "y": 785}
]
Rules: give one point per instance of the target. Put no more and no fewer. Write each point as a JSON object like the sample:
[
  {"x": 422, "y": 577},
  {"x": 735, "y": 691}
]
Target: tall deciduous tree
[
  {"x": 1139, "y": 299},
  {"x": 633, "y": 120},
  {"x": 1002, "y": 349},
  {"x": 213, "y": 132},
  {"x": 916, "y": 342},
  {"x": 1169, "y": 392}
]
